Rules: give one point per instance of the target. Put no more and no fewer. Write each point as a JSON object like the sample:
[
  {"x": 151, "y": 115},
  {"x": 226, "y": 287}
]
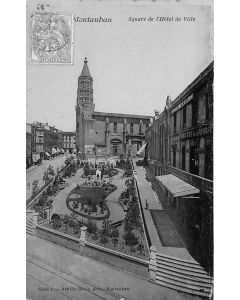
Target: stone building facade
[
  {"x": 68, "y": 141},
  {"x": 182, "y": 135},
  {"x": 105, "y": 134},
  {"x": 28, "y": 145},
  {"x": 45, "y": 137},
  {"x": 180, "y": 144},
  {"x": 191, "y": 127}
]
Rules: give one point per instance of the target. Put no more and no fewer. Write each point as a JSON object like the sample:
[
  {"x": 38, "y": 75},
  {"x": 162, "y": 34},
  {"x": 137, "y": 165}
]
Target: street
[{"x": 36, "y": 172}]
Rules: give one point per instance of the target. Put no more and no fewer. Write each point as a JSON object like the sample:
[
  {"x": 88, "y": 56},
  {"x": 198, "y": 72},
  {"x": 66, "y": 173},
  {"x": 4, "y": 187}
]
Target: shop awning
[
  {"x": 176, "y": 186},
  {"x": 141, "y": 149},
  {"x": 47, "y": 154},
  {"x": 54, "y": 151}
]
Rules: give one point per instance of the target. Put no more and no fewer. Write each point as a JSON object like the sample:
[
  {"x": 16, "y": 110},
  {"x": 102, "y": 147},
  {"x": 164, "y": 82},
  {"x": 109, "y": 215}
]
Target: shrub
[
  {"x": 56, "y": 224},
  {"x": 75, "y": 205},
  {"x": 71, "y": 223},
  {"x": 89, "y": 202},
  {"x": 115, "y": 241},
  {"x": 95, "y": 236},
  {"x": 130, "y": 239},
  {"x": 55, "y": 217},
  {"x": 115, "y": 233},
  {"x": 43, "y": 214},
  {"x": 94, "y": 207},
  {"x": 92, "y": 227},
  {"x": 104, "y": 239}
]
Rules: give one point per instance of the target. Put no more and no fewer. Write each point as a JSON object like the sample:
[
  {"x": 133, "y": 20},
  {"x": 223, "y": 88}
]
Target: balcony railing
[{"x": 201, "y": 183}]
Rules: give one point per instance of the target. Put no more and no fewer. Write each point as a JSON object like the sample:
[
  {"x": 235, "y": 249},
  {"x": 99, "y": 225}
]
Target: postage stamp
[{"x": 52, "y": 38}]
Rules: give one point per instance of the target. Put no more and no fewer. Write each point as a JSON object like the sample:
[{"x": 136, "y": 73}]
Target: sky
[{"x": 134, "y": 65}]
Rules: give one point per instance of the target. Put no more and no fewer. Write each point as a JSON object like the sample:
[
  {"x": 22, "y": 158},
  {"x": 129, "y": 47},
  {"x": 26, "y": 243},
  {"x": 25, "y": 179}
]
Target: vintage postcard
[{"x": 119, "y": 150}]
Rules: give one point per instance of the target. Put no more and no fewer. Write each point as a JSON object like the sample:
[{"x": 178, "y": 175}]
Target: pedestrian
[
  {"x": 89, "y": 177},
  {"x": 102, "y": 175},
  {"x": 146, "y": 205}
]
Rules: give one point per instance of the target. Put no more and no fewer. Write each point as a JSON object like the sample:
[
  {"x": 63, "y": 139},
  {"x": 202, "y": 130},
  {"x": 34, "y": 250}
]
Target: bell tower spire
[
  {"x": 85, "y": 124},
  {"x": 85, "y": 91}
]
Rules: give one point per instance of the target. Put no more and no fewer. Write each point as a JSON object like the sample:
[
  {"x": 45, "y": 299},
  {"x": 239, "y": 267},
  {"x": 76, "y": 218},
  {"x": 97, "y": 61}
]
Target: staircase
[
  {"x": 183, "y": 275},
  {"x": 31, "y": 221}
]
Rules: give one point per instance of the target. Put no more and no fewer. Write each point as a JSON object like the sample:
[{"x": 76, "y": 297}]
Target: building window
[
  {"x": 115, "y": 128},
  {"x": 174, "y": 149},
  {"x": 184, "y": 117},
  {"x": 202, "y": 108},
  {"x": 194, "y": 159},
  {"x": 174, "y": 123},
  {"x": 140, "y": 127},
  {"x": 183, "y": 158},
  {"x": 131, "y": 128}
]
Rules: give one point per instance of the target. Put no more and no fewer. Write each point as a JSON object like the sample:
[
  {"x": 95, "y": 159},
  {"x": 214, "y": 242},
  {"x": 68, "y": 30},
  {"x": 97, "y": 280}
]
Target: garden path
[
  {"x": 59, "y": 202},
  {"x": 116, "y": 210}
]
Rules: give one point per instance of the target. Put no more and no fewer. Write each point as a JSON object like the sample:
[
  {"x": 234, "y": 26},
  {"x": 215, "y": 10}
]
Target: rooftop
[
  {"x": 105, "y": 114},
  {"x": 85, "y": 70}
]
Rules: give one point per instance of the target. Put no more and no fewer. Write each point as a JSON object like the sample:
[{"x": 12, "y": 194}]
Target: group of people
[
  {"x": 102, "y": 165},
  {"x": 101, "y": 183}
]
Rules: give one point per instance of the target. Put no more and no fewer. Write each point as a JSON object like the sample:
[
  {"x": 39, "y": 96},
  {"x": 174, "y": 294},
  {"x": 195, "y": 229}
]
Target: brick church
[{"x": 105, "y": 134}]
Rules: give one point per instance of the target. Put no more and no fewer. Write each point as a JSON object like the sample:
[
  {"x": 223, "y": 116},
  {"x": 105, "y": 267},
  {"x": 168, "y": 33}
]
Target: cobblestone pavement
[{"x": 36, "y": 172}]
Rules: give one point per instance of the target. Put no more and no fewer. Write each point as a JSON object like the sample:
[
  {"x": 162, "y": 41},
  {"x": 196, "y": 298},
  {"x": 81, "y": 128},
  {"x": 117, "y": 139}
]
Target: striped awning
[
  {"x": 141, "y": 149},
  {"x": 54, "y": 151},
  {"x": 176, "y": 186}
]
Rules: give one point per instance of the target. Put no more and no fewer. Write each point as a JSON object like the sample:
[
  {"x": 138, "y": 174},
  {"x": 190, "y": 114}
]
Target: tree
[
  {"x": 92, "y": 227},
  {"x": 89, "y": 202},
  {"x": 130, "y": 239},
  {"x": 50, "y": 170},
  {"x": 35, "y": 187},
  {"x": 94, "y": 207},
  {"x": 46, "y": 177},
  {"x": 82, "y": 205},
  {"x": 104, "y": 239},
  {"x": 56, "y": 223},
  {"x": 115, "y": 241},
  {"x": 115, "y": 233}
]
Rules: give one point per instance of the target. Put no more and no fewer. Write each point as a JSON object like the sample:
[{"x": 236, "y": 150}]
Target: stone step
[
  {"x": 173, "y": 285},
  {"x": 29, "y": 221},
  {"x": 184, "y": 269},
  {"x": 180, "y": 275},
  {"x": 178, "y": 261},
  {"x": 181, "y": 271},
  {"x": 190, "y": 261},
  {"x": 28, "y": 231},
  {"x": 185, "y": 281}
]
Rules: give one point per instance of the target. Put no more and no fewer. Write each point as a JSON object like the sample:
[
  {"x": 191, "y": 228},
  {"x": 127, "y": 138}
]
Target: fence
[
  {"x": 75, "y": 232},
  {"x": 96, "y": 251}
]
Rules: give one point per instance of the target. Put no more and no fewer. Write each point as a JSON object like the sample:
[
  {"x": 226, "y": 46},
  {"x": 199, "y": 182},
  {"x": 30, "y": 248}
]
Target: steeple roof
[{"x": 85, "y": 70}]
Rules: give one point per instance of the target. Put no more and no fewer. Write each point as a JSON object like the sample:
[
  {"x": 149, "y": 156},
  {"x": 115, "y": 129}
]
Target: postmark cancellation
[{"x": 52, "y": 38}]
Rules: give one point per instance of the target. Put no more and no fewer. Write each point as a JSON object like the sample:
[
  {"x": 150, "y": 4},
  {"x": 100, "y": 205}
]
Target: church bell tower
[{"x": 85, "y": 124}]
